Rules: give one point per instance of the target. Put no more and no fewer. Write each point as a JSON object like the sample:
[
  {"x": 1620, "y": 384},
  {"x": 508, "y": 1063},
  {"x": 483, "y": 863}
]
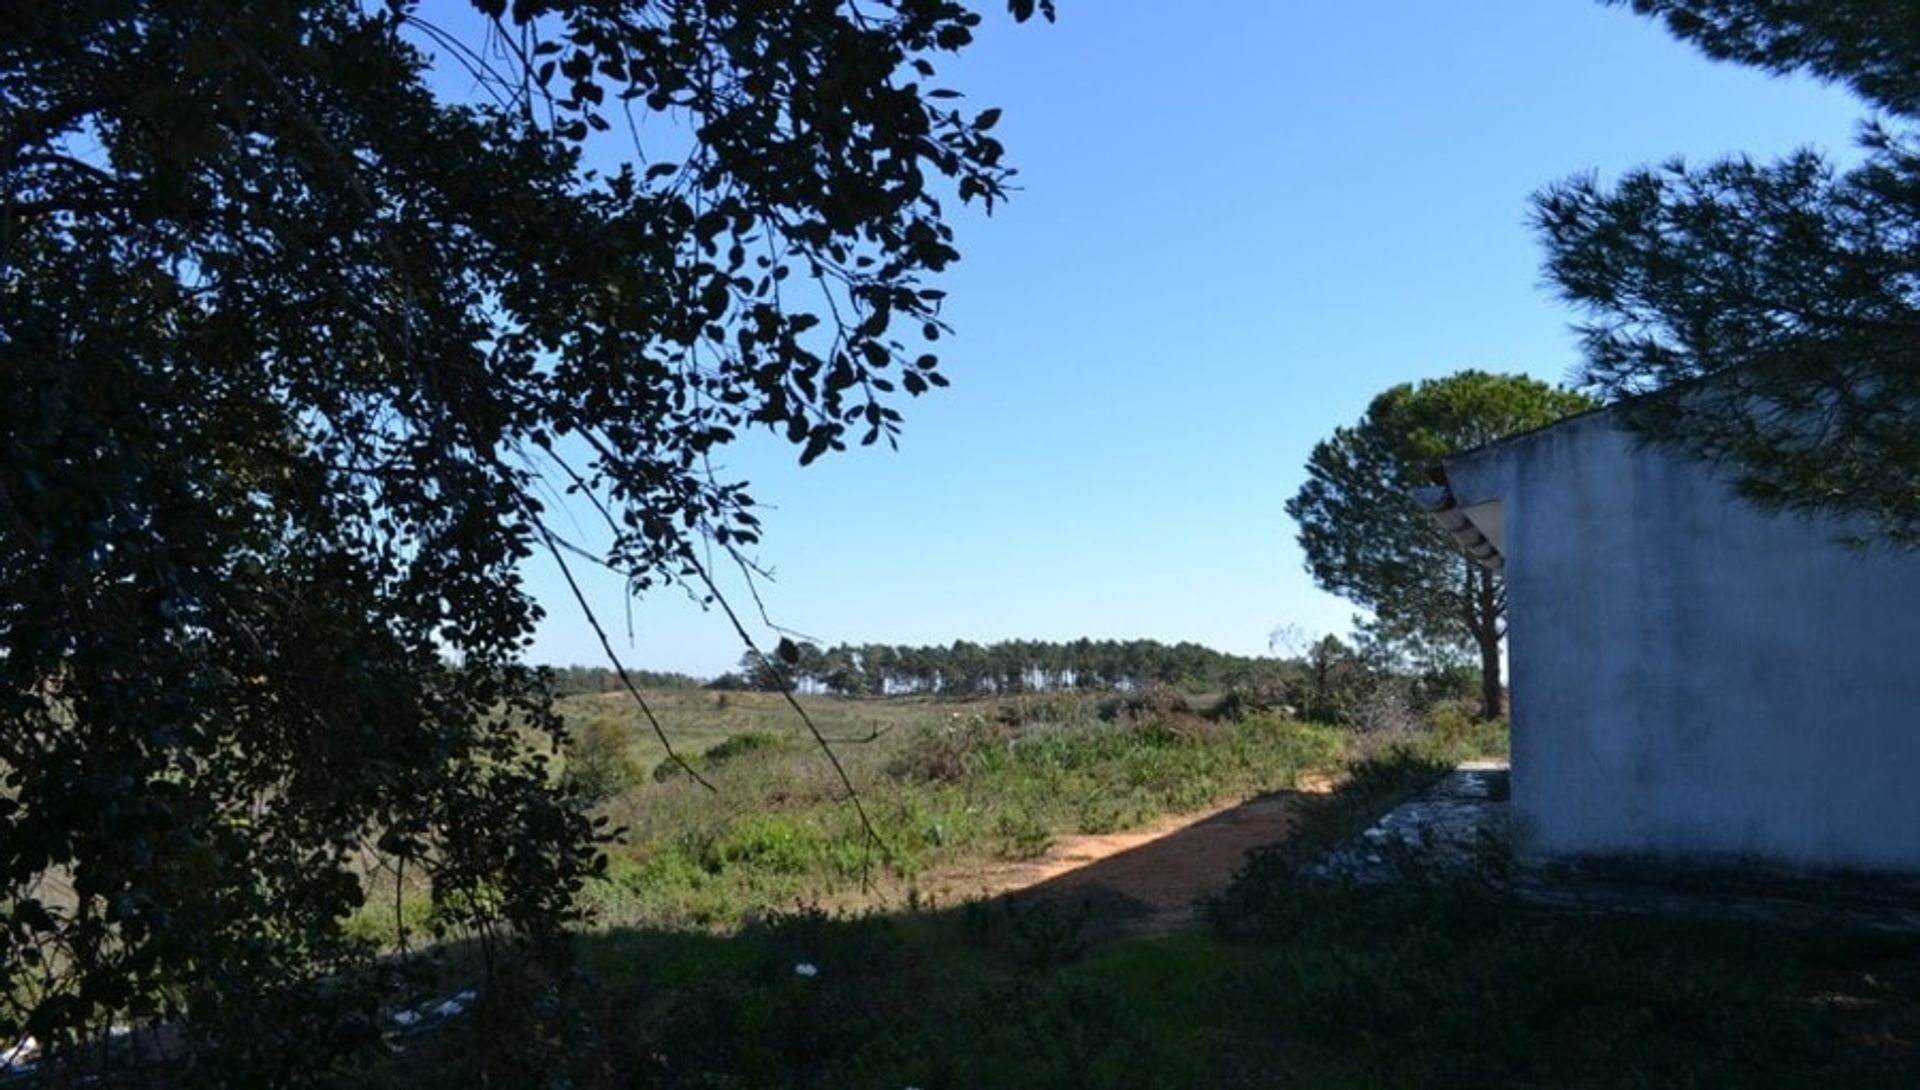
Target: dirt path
[{"x": 1145, "y": 880}]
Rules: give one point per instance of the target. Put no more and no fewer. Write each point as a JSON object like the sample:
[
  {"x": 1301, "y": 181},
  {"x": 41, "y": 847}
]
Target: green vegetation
[
  {"x": 942, "y": 781},
  {"x": 1443, "y": 982},
  {"x": 1008, "y": 667},
  {"x": 306, "y": 335},
  {"x": 578, "y": 680},
  {"x": 300, "y": 354}
]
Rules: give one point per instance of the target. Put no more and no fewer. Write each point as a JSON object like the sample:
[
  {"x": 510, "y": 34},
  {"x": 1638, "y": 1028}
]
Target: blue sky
[{"x": 1238, "y": 221}]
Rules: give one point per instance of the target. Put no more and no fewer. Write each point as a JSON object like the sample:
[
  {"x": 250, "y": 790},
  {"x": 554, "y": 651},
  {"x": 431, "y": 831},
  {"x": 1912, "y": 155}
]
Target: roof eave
[{"x": 1440, "y": 502}]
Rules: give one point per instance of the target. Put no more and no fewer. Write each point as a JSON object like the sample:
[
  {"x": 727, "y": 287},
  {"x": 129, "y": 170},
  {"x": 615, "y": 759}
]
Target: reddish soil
[{"x": 1143, "y": 881}]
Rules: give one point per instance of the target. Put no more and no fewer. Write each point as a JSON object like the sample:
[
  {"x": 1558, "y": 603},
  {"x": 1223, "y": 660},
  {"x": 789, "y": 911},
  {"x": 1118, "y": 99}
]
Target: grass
[
  {"x": 941, "y": 782},
  {"x": 945, "y": 784},
  {"x": 1443, "y": 982},
  {"x": 1449, "y": 983},
  {"x": 703, "y": 973},
  {"x": 709, "y": 970}
]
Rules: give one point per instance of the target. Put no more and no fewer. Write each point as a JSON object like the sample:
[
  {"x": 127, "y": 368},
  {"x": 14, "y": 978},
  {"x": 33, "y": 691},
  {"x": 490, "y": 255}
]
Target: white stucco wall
[{"x": 1693, "y": 678}]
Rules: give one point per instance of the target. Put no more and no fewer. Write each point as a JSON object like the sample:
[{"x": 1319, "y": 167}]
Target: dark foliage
[
  {"x": 1769, "y": 311},
  {"x": 1872, "y": 46},
  {"x": 293, "y": 350}
]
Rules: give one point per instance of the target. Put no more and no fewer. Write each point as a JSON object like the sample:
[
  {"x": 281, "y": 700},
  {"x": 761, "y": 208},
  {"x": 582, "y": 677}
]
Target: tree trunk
[{"x": 1493, "y": 694}]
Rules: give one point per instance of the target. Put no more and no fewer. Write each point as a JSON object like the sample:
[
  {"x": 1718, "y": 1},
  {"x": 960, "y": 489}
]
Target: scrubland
[{"x": 750, "y": 933}]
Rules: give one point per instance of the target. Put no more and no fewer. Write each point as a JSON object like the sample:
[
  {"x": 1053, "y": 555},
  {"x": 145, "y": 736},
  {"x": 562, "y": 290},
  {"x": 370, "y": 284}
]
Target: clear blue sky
[{"x": 1239, "y": 221}]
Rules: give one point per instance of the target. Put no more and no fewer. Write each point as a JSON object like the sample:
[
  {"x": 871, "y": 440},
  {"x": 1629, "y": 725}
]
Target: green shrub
[
  {"x": 947, "y": 752},
  {"x": 734, "y": 746},
  {"x": 774, "y": 843},
  {"x": 743, "y": 743},
  {"x": 1063, "y": 707},
  {"x": 1022, "y": 835},
  {"x": 1452, "y": 720},
  {"x": 599, "y": 758},
  {"x": 1456, "y": 726},
  {"x": 1148, "y": 701}
]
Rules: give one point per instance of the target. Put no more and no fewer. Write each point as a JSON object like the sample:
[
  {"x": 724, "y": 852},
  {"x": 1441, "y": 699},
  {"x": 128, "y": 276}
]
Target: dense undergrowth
[
  {"x": 771, "y": 828},
  {"x": 751, "y": 817},
  {"x": 1441, "y": 981},
  {"x": 985, "y": 779},
  {"x": 703, "y": 973}
]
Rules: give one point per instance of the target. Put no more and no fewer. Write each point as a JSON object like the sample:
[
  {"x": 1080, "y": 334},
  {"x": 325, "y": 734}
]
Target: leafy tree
[
  {"x": 1364, "y": 538},
  {"x": 840, "y": 672},
  {"x": 294, "y": 349},
  {"x": 1336, "y": 679},
  {"x": 1769, "y": 310}
]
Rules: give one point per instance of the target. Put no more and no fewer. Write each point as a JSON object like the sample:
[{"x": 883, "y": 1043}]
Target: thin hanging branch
[
  {"x": 873, "y": 839},
  {"x": 552, "y": 544}
]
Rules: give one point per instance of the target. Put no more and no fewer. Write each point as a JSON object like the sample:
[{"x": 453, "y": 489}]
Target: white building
[{"x": 1693, "y": 679}]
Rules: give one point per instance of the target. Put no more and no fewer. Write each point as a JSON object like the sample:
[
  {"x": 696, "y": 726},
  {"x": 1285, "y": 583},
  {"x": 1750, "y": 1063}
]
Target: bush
[
  {"x": 1456, "y": 727},
  {"x": 949, "y": 752},
  {"x": 735, "y": 746},
  {"x": 599, "y": 758},
  {"x": 1446, "y": 685},
  {"x": 1452, "y": 720},
  {"x": 1241, "y": 704},
  {"x": 773, "y": 843},
  {"x": 1152, "y": 700},
  {"x": 1041, "y": 708},
  {"x": 738, "y": 744},
  {"x": 1022, "y": 834},
  {"x": 1385, "y": 709}
]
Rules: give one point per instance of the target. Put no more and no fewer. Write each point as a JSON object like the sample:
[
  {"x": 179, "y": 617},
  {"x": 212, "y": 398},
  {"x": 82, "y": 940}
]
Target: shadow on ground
[
  {"x": 1158, "y": 886},
  {"x": 1295, "y": 982}
]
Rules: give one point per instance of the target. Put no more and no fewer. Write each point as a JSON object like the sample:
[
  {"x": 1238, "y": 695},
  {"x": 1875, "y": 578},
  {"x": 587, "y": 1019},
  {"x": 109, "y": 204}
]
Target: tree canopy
[
  {"x": 1766, "y": 315},
  {"x": 299, "y": 357},
  {"x": 1365, "y": 540}
]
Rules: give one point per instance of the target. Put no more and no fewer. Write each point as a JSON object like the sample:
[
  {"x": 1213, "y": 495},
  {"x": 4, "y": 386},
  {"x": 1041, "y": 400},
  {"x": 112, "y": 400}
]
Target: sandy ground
[{"x": 1142, "y": 881}]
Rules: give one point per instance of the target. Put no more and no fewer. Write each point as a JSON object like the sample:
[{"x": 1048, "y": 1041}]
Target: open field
[
  {"x": 945, "y": 785},
  {"x": 1281, "y": 983},
  {"x": 735, "y": 946},
  {"x": 950, "y": 787}
]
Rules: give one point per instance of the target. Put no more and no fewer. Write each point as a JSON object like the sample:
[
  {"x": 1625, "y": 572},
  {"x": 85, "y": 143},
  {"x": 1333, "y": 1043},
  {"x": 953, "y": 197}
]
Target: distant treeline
[
  {"x": 1012, "y": 666},
  {"x": 1329, "y": 681},
  {"x": 574, "y": 680}
]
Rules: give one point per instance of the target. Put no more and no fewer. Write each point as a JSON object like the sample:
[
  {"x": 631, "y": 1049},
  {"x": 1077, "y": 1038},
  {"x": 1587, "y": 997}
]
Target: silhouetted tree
[
  {"x": 296, "y": 353},
  {"x": 1769, "y": 310}
]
